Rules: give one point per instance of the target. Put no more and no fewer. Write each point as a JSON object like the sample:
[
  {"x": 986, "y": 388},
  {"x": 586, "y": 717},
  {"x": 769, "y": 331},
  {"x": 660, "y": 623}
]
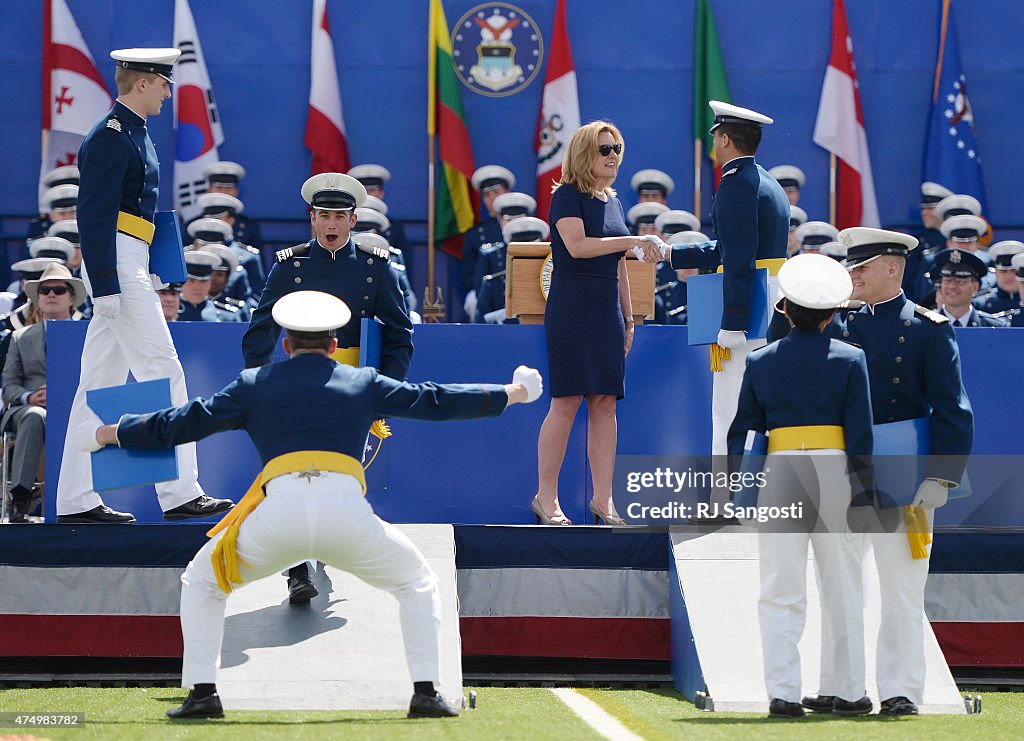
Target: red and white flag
[
  {"x": 840, "y": 130},
  {"x": 559, "y": 113},
  {"x": 325, "y": 126},
  {"x": 75, "y": 97},
  {"x": 197, "y": 129}
]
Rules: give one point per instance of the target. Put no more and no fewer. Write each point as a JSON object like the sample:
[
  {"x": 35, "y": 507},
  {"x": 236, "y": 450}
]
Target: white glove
[
  {"x": 731, "y": 338},
  {"x": 469, "y": 305},
  {"x": 158, "y": 285},
  {"x": 664, "y": 247},
  {"x": 106, "y": 306},
  {"x": 87, "y": 430},
  {"x": 531, "y": 380},
  {"x": 930, "y": 494}
]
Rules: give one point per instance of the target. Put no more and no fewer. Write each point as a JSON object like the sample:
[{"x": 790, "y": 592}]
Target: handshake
[{"x": 652, "y": 248}]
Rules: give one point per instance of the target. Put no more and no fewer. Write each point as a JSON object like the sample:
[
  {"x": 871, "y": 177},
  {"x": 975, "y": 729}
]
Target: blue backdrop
[
  {"x": 485, "y": 471},
  {"x": 634, "y": 65}
]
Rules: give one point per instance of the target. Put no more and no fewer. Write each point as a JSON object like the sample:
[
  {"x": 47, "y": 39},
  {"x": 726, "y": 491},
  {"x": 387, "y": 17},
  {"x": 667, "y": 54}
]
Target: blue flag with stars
[{"x": 951, "y": 156}]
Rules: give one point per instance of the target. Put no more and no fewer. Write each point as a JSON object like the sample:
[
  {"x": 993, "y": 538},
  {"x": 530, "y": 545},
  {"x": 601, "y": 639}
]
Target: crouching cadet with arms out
[{"x": 309, "y": 504}]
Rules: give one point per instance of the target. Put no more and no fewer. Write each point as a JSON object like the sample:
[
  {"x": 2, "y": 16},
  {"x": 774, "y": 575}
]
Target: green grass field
[{"x": 502, "y": 713}]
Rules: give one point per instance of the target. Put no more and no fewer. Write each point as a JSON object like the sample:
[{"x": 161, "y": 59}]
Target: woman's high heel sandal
[
  {"x": 555, "y": 518},
  {"x": 609, "y": 518}
]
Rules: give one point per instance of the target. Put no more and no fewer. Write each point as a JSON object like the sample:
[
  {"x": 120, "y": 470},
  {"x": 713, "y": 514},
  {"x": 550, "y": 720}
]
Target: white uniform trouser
[
  {"x": 326, "y": 518},
  {"x": 818, "y": 479},
  {"x": 135, "y": 340},
  {"x": 899, "y": 657}
]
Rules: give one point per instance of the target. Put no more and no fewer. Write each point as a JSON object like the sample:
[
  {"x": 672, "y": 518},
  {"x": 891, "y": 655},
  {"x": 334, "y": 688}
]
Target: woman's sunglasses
[
  {"x": 56, "y": 290},
  {"x": 606, "y": 149}
]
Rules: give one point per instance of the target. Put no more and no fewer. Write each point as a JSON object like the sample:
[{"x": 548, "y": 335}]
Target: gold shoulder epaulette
[{"x": 931, "y": 315}]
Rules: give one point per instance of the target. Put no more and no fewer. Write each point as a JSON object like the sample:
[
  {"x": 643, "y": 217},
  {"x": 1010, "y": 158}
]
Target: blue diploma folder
[
  {"x": 118, "y": 468},
  {"x": 755, "y": 449},
  {"x": 704, "y": 297},
  {"x": 166, "y": 257},
  {"x": 900, "y": 457}
]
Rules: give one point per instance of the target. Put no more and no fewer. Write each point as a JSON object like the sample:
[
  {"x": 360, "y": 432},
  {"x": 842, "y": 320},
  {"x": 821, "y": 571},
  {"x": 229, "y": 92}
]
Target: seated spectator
[
  {"x": 14, "y": 297},
  {"x": 170, "y": 301},
  {"x": 797, "y": 217},
  {"x": 960, "y": 273},
  {"x": 1005, "y": 294},
  {"x": 55, "y": 294},
  {"x": 196, "y": 305}
]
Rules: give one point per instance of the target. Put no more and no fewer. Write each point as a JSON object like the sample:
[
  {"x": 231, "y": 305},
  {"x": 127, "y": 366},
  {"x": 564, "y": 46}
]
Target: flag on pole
[
  {"x": 709, "y": 80},
  {"x": 840, "y": 129},
  {"x": 325, "y": 125},
  {"x": 456, "y": 202},
  {"x": 951, "y": 156},
  {"x": 559, "y": 112},
  {"x": 197, "y": 129},
  {"x": 75, "y": 97}
]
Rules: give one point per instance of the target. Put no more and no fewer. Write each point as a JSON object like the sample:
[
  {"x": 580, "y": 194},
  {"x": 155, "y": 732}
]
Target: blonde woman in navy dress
[{"x": 588, "y": 322}]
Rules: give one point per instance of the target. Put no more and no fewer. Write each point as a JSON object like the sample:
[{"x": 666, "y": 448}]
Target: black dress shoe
[
  {"x": 300, "y": 586},
  {"x": 846, "y": 708},
  {"x": 897, "y": 706},
  {"x": 431, "y": 706},
  {"x": 102, "y": 515},
  {"x": 208, "y": 707},
  {"x": 782, "y": 709},
  {"x": 18, "y": 509},
  {"x": 203, "y": 506},
  {"x": 819, "y": 703}
]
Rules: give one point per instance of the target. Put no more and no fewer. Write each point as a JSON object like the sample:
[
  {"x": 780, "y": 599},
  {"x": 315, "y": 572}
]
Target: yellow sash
[
  {"x": 773, "y": 264},
  {"x": 135, "y": 226},
  {"x": 808, "y": 437},
  {"x": 225, "y": 553}
]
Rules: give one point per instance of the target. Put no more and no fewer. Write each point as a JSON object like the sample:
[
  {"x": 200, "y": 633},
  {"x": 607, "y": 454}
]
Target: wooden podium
[{"x": 525, "y": 299}]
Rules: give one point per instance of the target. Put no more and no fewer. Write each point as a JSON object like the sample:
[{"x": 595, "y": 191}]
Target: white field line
[{"x": 594, "y": 715}]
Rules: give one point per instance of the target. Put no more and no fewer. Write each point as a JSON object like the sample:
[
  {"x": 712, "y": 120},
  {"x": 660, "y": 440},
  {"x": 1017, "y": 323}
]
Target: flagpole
[
  {"x": 698, "y": 156},
  {"x": 832, "y": 188}
]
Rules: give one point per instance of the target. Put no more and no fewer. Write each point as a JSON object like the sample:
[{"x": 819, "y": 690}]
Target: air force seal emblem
[{"x": 497, "y": 49}]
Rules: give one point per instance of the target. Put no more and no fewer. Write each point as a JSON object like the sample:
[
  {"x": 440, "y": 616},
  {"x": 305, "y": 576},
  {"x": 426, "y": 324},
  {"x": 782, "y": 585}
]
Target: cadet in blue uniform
[
  {"x": 308, "y": 502},
  {"x": 334, "y": 263},
  {"x": 961, "y": 273},
  {"x": 507, "y": 206},
  {"x": 961, "y": 227},
  {"x": 228, "y": 209},
  {"x": 374, "y": 178},
  {"x": 223, "y": 177},
  {"x": 930, "y": 239},
  {"x": 751, "y": 218},
  {"x": 196, "y": 304},
  {"x": 1016, "y": 316},
  {"x": 914, "y": 372},
  {"x": 120, "y": 177},
  {"x": 491, "y": 181},
  {"x": 374, "y": 221},
  {"x": 491, "y": 302},
  {"x": 58, "y": 203},
  {"x": 206, "y": 231},
  {"x": 797, "y": 217},
  {"x": 812, "y": 234},
  {"x": 812, "y": 427},
  {"x": 1005, "y": 294},
  {"x": 641, "y": 217},
  {"x": 68, "y": 229},
  {"x": 652, "y": 186},
  {"x": 668, "y": 223},
  {"x": 670, "y": 293},
  {"x": 219, "y": 280},
  {"x": 791, "y": 179}
]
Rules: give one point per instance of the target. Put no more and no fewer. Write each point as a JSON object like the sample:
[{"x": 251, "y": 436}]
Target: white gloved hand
[
  {"x": 531, "y": 380},
  {"x": 158, "y": 285},
  {"x": 87, "y": 430},
  {"x": 731, "y": 338},
  {"x": 664, "y": 247},
  {"x": 469, "y": 305},
  {"x": 106, "y": 306},
  {"x": 930, "y": 494}
]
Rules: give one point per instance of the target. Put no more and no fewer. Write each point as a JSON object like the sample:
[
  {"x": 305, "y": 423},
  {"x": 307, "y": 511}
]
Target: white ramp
[
  {"x": 343, "y": 651},
  {"x": 718, "y": 574}
]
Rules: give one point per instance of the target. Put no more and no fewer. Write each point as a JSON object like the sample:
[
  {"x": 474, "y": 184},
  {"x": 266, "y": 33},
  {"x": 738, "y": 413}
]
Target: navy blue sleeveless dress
[{"x": 583, "y": 323}]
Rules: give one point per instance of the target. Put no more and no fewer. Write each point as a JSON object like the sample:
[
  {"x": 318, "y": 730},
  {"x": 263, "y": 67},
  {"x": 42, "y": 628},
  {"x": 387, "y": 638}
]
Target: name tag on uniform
[
  {"x": 118, "y": 468},
  {"x": 166, "y": 256}
]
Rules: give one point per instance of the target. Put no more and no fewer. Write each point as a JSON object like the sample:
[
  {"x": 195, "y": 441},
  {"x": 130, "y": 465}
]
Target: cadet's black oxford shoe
[
  {"x": 848, "y": 708},
  {"x": 100, "y": 515},
  {"x": 208, "y": 707},
  {"x": 897, "y": 706},
  {"x": 300, "y": 586},
  {"x": 782, "y": 709},
  {"x": 203, "y": 506},
  {"x": 819, "y": 703},
  {"x": 431, "y": 706}
]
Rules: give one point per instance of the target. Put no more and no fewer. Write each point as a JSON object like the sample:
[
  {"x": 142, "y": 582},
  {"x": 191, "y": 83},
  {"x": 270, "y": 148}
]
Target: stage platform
[{"x": 523, "y": 591}]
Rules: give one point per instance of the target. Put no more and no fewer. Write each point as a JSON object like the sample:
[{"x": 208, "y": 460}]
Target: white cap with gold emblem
[
  {"x": 727, "y": 113},
  {"x": 864, "y": 244},
  {"x": 156, "y": 61},
  {"x": 333, "y": 191}
]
